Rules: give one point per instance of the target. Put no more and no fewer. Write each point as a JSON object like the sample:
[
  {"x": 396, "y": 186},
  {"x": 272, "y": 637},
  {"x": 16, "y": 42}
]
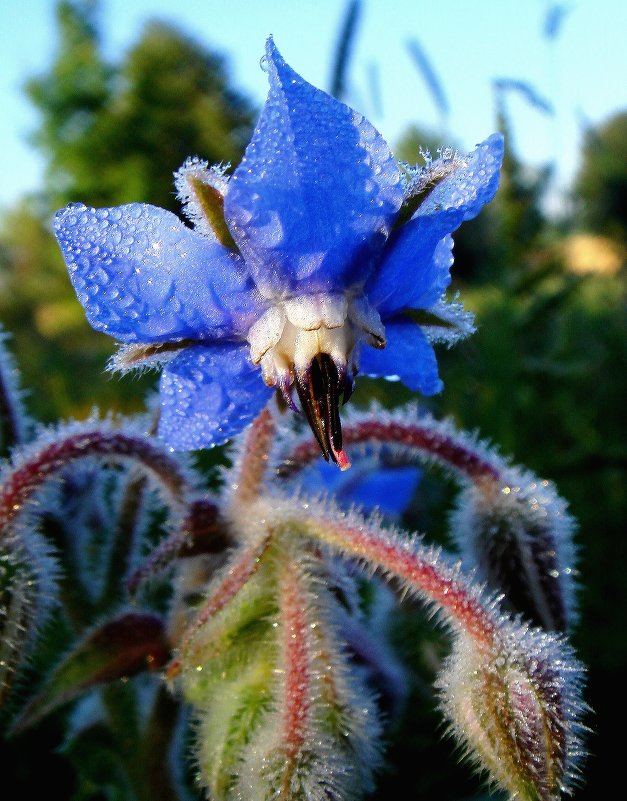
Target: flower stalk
[
  {"x": 420, "y": 569},
  {"x": 47, "y": 459}
]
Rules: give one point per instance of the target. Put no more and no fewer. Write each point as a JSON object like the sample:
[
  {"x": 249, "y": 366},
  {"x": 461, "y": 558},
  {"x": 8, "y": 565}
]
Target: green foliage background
[{"x": 544, "y": 377}]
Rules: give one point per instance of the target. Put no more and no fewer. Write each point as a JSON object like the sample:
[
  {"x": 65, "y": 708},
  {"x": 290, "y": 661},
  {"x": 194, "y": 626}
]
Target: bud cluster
[{"x": 266, "y": 634}]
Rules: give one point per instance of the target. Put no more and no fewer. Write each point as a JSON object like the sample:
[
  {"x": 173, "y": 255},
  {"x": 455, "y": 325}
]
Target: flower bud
[
  {"x": 27, "y": 589},
  {"x": 513, "y": 706},
  {"x": 517, "y": 534},
  {"x": 281, "y": 711}
]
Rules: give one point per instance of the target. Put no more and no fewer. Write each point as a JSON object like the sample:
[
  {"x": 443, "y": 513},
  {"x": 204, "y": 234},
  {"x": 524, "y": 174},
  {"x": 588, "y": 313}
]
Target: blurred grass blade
[
  {"x": 526, "y": 91},
  {"x": 425, "y": 68},
  {"x": 344, "y": 48},
  {"x": 554, "y": 19}
]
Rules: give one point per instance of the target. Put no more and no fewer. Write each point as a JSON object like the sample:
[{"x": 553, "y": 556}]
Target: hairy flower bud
[
  {"x": 513, "y": 706},
  {"x": 517, "y": 533},
  {"x": 27, "y": 589},
  {"x": 281, "y": 711}
]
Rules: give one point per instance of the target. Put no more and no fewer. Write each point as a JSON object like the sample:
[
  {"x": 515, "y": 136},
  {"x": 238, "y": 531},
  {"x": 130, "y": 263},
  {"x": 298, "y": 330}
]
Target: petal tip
[
  {"x": 62, "y": 216},
  {"x": 272, "y": 61},
  {"x": 496, "y": 143}
]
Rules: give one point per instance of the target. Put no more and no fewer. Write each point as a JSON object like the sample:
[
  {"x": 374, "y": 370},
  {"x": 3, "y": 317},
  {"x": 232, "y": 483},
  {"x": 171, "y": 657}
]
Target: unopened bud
[
  {"x": 513, "y": 705},
  {"x": 517, "y": 534},
  {"x": 27, "y": 590}
]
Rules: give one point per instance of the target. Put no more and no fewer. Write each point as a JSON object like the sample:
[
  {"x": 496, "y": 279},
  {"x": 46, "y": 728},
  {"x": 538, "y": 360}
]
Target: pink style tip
[{"x": 342, "y": 460}]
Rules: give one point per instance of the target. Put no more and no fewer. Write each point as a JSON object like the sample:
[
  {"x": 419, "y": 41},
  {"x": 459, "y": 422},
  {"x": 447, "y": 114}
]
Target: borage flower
[{"x": 306, "y": 263}]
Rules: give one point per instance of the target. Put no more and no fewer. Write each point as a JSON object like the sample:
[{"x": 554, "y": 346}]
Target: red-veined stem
[
  {"x": 408, "y": 560},
  {"x": 452, "y": 452},
  {"x": 26, "y": 478},
  {"x": 296, "y": 657}
]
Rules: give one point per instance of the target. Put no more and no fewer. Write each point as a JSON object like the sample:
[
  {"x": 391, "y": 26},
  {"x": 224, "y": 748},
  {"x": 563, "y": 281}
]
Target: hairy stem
[
  {"x": 253, "y": 462},
  {"x": 49, "y": 460},
  {"x": 201, "y": 531},
  {"x": 296, "y": 658},
  {"x": 408, "y": 560},
  {"x": 430, "y": 440}
]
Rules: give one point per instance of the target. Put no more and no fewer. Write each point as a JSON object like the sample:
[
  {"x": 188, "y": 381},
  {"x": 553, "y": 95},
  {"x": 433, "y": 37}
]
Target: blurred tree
[
  {"x": 478, "y": 243},
  {"x": 173, "y": 102},
  {"x": 71, "y": 97},
  {"x": 115, "y": 133},
  {"x": 110, "y": 133},
  {"x": 38, "y": 306},
  {"x": 601, "y": 185}
]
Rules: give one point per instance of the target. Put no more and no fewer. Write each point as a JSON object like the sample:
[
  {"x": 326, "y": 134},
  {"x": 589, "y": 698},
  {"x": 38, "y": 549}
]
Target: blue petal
[
  {"x": 316, "y": 193},
  {"x": 209, "y": 394},
  {"x": 143, "y": 276},
  {"x": 408, "y": 356},
  {"x": 411, "y": 273},
  {"x": 389, "y": 489},
  {"x": 415, "y": 272}
]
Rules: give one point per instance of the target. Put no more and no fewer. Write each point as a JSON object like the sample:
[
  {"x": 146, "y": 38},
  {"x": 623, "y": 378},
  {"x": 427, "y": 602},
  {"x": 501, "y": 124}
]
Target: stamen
[
  {"x": 308, "y": 387},
  {"x": 318, "y": 388},
  {"x": 285, "y": 387},
  {"x": 349, "y": 386},
  {"x": 308, "y": 342}
]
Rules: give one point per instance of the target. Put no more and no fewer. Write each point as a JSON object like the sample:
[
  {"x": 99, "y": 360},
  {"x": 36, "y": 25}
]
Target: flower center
[{"x": 309, "y": 342}]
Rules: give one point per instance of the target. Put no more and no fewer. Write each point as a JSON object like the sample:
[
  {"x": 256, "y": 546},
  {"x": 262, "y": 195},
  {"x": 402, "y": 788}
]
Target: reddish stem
[
  {"x": 254, "y": 459},
  {"x": 296, "y": 660},
  {"x": 25, "y": 479},
  {"x": 201, "y": 531},
  {"x": 403, "y": 559},
  {"x": 452, "y": 453}
]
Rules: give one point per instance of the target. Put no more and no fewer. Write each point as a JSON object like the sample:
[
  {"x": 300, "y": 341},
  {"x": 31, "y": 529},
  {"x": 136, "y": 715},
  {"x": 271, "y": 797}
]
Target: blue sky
[{"x": 469, "y": 43}]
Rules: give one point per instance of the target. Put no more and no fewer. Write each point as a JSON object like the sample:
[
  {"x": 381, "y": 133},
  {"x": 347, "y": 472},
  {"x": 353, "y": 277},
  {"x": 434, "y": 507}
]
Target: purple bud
[
  {"x": 518, "y": 535},
  {"x": 514, "y": 707}
]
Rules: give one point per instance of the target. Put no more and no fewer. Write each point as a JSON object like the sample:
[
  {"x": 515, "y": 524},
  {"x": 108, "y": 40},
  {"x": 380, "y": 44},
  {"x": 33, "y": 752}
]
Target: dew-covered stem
[{"x": 419, "y": 568}]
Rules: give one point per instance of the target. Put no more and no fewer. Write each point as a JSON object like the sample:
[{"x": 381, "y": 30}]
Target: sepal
[
  {"x": 201, "y": 190},
  {"x": 129, "y": 644},
  {"x": 421, "y": 181},
  {"x": 515, "y": 708}
]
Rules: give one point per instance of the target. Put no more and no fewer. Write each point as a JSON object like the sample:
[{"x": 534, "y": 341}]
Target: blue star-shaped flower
[{"x": 303, "y": 265}]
